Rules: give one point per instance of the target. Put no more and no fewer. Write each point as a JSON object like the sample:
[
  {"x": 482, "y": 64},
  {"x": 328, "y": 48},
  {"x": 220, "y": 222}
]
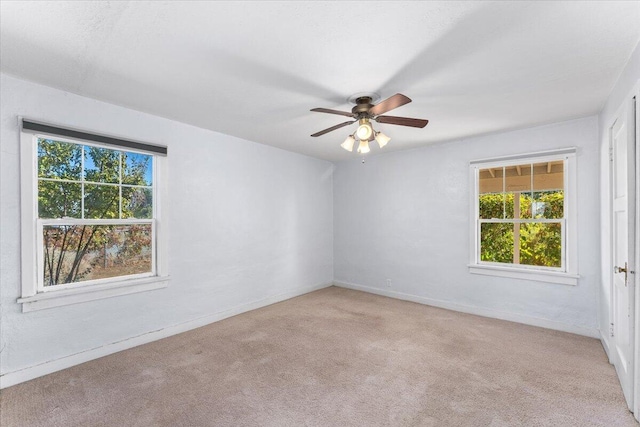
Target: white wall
[
  {"x": 404, "y": 216},
  {"x": 248, "y": 224},
  {"x": 629, "y": 77}
]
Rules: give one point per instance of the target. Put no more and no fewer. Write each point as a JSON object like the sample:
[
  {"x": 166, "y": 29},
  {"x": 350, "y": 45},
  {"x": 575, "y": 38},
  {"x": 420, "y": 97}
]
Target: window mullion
[
  {"x": 82, "y": 173},
  {"x": 504, "y": 193},
  {"x": 77, "y": 221},
  {"x": 532, "y": 191},
  {"x": 522, "y": 220},
  {"x": 120, "y": 187}
]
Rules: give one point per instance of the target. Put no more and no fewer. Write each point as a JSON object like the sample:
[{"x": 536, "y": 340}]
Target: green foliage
[
  {"x": 59, "y": 199},
  {"x": 496, "y": 242},
  {"x": 492, "y": 205},
  {"x": 59, "y": 160},
  {"x": 101, "y": 201},
  {"x": 106, "y": 165},
  {"x": 137, "y": 202},
  {"x": 70, "y": 251},
  {"x": 539, "y": 243},
  {"x": 553, "y": 202}
]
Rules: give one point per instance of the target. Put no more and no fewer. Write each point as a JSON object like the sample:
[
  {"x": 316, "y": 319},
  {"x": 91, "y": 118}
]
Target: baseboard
[
  {"x": 605, "y": 344},
  {"x": 26, "y": 374},
  {"x": 485, "y": 312}
]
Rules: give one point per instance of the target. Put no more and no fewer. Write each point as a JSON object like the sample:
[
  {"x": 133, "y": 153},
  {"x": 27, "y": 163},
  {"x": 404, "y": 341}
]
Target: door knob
[
  {"x": 624, "y": 270},
  {"x": 617, "y": 269}
]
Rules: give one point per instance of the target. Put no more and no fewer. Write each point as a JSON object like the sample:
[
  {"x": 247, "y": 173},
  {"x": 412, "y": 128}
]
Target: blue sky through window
[
  {"x": 141, "y": 159},
  {"x": 133, "y": 160}
]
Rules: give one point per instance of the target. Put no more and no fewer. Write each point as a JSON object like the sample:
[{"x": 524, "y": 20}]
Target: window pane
[
  {"x": 509, "y": 206},
  {"x": 548, "y": 184},
  {"x": 76, "y": 253},
  {"x": 518, "y": 178},
  {"x": 491, "y": 206},
  {"x": 548, "y": 176},
  {"x": 137, "y": 202},
  {"x": 525, "y": 205},
  {"x": 59, "y": 160},
  {"x": 541, "y": 244},
  {"x": 548, "y": 204},
  {"x": 490, "y": 180},
  {"x": 496, "y": 242},
  {"x": 101, "y": 201},
  {"x": 101, "y": 165},
  {"x": 138, "y": 169},
  {"x": 59, "y": 199},
  {"x": 518, "y": 188}
]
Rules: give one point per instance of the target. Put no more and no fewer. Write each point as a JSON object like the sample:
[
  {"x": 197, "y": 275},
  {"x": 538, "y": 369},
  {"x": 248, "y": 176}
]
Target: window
[
  {"x": 91, "y": 219},
  {"x": 95, "y": 213},
  {"x": 524, "y": 217}
]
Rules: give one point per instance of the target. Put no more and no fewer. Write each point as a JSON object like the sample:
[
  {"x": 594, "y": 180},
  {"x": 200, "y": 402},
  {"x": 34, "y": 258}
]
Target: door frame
[
  {"x": 635, "y": 94},
  {"x": 634, "y": 279}
]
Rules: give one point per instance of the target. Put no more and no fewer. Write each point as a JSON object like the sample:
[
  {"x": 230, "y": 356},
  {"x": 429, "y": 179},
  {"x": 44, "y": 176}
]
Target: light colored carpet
[{"x": 336, "y": 357}]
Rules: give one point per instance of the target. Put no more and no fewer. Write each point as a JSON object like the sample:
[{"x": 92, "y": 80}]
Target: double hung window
[
  {"x": 91, "y": 220},
  {"x": 95, "y": 214},
  {"x": 524, "y": 216}
]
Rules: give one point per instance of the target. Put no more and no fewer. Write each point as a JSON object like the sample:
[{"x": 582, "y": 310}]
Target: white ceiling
[{"x": 254, "y": 70}]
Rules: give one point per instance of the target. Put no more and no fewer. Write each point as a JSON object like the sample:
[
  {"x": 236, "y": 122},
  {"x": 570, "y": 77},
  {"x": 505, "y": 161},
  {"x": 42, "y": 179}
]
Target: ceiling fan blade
[
  {"x": 327, "y": 110},
  {"x": 322, "y": 132},
  {"x": 389, "y": 104},
  {"x": 402, "y": 121}
]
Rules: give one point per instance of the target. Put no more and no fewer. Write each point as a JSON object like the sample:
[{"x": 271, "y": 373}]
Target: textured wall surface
[
  {"x": 247, "y": 222},
  {"x": 404, "y": 217}
]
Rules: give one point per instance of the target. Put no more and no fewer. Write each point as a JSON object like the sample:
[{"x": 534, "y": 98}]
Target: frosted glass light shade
[
  {"x": 364, "y": 131},
  {"x": 348, "y": 143},
  {"x": 382, "y": 139},
  {"x": 363, "y": 148}
]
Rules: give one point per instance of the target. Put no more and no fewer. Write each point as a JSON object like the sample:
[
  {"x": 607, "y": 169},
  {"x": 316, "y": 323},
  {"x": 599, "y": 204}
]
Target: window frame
[
  {"x": 568, "y": 272},
  {"x": 34, "y": 296}
]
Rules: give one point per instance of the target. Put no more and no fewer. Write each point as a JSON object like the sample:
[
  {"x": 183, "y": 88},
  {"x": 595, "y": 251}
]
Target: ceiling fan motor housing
[{"x": 363, "y": 104}]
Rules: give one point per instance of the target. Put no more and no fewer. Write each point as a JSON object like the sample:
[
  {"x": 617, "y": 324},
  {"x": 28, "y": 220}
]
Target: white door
[{"x": 623, "y": 215}]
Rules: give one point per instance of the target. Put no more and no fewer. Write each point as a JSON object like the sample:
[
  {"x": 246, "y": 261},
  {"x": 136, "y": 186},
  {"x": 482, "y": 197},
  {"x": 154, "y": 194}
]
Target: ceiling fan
[{"x": 364, "y": 112}]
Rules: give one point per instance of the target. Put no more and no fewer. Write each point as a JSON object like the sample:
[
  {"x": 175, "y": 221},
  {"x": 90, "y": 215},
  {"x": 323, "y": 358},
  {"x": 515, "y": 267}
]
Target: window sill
[
  {"x": 525, "y": 274},
  {"x": 62, "y": 297}
]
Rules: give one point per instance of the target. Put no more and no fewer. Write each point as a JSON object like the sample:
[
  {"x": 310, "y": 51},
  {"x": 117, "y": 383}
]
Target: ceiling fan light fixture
[
  {"x": 365, "y": 130},
  {"x": 365, "y": 111},
  {"x": 363, "y": 148},
  {"x": 382, "y": 139},
  {"x": 348, "y": 143}
]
